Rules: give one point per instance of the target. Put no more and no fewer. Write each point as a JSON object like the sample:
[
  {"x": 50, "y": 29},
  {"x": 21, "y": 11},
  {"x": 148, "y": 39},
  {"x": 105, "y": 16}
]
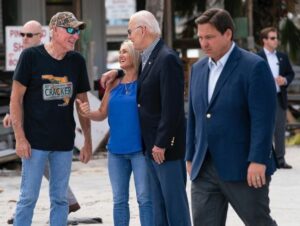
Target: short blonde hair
[{"x": 133, "y": 53}]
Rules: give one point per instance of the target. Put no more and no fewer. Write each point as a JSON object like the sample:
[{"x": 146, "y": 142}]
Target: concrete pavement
[{"x": 90, "y": 184}]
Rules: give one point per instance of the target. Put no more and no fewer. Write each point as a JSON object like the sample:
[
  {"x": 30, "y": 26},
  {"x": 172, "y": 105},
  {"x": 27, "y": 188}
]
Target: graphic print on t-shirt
[{"x": 58, "y": 89}]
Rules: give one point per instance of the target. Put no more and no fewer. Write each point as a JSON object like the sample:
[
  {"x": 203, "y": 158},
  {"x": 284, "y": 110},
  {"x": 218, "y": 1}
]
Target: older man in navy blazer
[
  {"x": 283, "y": 76},
  {"x": 230, "y": 125},
  {"x": 161, "y": 108}
]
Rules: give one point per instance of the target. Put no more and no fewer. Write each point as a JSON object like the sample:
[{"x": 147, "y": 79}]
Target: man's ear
[
  {"x": 228, "y": 34},
  {"x": 51, "y": 32}
]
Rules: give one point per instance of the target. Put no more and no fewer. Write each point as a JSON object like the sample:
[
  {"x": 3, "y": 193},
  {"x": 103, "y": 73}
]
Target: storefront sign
[
  {"x": 14, "y": 46},
  {"x": 119, "y": 9}
]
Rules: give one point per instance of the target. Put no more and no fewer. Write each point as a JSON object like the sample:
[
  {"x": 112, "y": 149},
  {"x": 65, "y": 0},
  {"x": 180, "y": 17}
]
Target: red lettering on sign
[
  {"x": 14, "y": 33},
  {"x": 17, "y": 47},
  {"x": 12, "y": 62}
]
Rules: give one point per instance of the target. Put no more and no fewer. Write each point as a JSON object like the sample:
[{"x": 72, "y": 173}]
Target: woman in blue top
[{"x": 125, "y": 154}]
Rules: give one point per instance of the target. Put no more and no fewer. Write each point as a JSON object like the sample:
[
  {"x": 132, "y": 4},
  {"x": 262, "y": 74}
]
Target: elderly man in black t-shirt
[
  {"x": 47, "y": 79},
  {"x": 31, "y": 34}
]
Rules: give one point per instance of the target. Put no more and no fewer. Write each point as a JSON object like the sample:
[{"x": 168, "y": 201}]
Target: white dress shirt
[
  {"x": 274, "y": 65},
  {"x": 215, "y": 70}
]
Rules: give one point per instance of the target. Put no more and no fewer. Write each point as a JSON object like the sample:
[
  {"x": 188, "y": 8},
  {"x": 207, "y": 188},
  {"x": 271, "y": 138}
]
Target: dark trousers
[
  {"x": 211, "y": 196},
  {"x": 168, "y": 193},
  {"x": 279, "y": 133}
]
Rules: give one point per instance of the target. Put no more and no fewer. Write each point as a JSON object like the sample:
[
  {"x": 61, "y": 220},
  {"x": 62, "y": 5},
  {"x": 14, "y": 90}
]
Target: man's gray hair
[{"x": 145, "y": 18}]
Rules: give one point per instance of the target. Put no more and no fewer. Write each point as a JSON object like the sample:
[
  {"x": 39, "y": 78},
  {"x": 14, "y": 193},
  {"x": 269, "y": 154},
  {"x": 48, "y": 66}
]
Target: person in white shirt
[{"x": 283, "y": 75}]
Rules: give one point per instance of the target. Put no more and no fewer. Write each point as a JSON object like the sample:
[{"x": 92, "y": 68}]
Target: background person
[
  {"x": 46, "y": 81},
  {"x": 31, "y": 33},
  {"x": 229, "y": 165},
  {"x": 283, "y": 76},
  {"x": 125, "y": 151}
]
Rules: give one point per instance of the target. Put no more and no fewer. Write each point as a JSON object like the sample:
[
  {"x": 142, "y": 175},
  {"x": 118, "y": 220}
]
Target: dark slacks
[
  {"x": 168, "y": 192},
  {"x": 211, "y": 196},
  {"x": 279, "y": 133}
]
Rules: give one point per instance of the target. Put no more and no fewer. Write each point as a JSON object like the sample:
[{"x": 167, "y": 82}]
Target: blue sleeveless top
[{"x": 123, "y": 119}]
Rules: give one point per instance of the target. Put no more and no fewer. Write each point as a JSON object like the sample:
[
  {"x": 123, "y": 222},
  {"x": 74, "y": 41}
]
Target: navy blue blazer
[
  {"x": 160, "y": 98},
  {"x": 285, "y": 70},
  {"x": 237, "y": 125}
]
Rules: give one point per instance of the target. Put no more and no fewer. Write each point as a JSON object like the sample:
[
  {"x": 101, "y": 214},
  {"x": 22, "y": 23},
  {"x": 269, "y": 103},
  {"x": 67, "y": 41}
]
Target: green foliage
[
  {"x": 265, "y": 14},
  {"x": 236, "y": 8},
  {"x": 269, "y": 13},
  {"x": 290, "y": 36}
]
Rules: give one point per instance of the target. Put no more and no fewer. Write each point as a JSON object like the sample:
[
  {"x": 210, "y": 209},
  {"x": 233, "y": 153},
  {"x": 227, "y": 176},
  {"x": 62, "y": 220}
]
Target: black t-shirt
[{"x": 52, "y": 86}]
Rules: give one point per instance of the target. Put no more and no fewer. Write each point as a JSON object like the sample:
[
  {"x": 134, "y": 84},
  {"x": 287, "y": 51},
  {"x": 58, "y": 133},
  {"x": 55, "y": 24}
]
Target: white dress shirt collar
[
  {"x": 215, "y": 70},
  {"x": 222, "y": 61}
]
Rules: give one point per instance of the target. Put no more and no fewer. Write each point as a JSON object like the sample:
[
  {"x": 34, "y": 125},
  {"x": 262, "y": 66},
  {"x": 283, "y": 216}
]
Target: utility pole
[
  {"x": 250, "y": 39},
  {"x": 168, "y": 23}
]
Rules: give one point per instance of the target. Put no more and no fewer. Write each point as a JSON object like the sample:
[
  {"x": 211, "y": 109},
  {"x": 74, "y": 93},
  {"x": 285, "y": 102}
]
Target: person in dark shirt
[
  {"x": 283, "y": 75},
  {"x": 31, "y": 33},
  {"x": 46, "y": 82},
  {"x": 230, "y": 125}
]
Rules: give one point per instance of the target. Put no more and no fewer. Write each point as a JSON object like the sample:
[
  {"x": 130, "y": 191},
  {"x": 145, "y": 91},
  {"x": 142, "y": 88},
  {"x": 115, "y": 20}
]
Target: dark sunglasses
[
  {"x": 71, "y": 30},
  {"x": 28, "y": 35},
  {"x": 273, "y": 38}
]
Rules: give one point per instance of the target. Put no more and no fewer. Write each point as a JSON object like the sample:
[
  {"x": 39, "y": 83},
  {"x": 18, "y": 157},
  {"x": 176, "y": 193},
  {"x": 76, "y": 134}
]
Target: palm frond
[{"x": 290, "y": 36}]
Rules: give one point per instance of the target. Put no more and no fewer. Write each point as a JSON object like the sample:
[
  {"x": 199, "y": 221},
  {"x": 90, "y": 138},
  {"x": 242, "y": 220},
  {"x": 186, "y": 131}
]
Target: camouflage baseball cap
[{"x": 66, "y": 19}]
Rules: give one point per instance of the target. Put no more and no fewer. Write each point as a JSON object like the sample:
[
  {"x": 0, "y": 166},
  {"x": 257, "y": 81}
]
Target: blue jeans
[
  {"x": 120, "y": 167},
  {"x": 32, "y": 173}
]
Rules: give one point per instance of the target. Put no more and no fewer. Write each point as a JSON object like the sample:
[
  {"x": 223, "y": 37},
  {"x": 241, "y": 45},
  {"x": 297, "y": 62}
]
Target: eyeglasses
[
  {"x": 273, "y": 38},
  {"x": 129, "y": 31},
  {"x": 28, "y": 35},
  {"x": 71, "y": 30}
]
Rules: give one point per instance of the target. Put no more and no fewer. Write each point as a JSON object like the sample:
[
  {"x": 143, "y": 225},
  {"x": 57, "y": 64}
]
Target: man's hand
[
  {"x": 158, "y": 154},
  {"x": 189, "y": 167},
  {"x": 280, "y": 80},
  {"x": 108, "y": 77},
  {"x": 86, "y": 152},
  {"x": 6, "y": 121},
  {"x": 23, "y": 148},
  {"x": 256, "y": 175}
]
